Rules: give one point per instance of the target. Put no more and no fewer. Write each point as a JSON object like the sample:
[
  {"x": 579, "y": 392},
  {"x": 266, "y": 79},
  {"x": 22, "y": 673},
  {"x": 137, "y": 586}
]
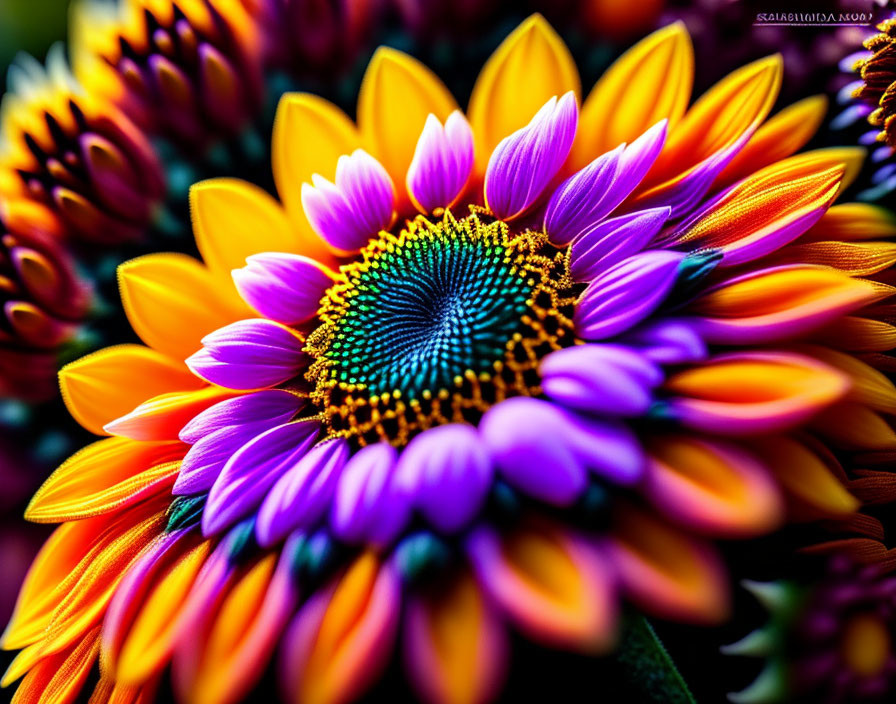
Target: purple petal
[
  {"x": 442, "y": 162},
  {"x": 546, "y": 451},
  {"x": 252, "y": 471},
  {"x": 274, "y": 406},
  {"x": 604, "y": 379},
  {"x": 587, "y": 197},
  {"x": 354, "y": 209},
  {"x": 613, "y": 240},
  {"x": 205, "y": 460},
  {"x": 667, "y": 342},
  {"x": 286, "y": 288},
  {"x": 302, "y": 495},
  {"x": 686, "y": 192},
  {"x": 626, "y": 294},
  {"x": 524, "y": 163},
  {"x": 448, "y": 473},
  {"x": 249, "y": 354},
  {"x": 369, "y": 505}
]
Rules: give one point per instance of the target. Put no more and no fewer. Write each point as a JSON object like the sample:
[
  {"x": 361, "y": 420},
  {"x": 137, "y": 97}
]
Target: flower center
[{"x": 435, "y": 325}]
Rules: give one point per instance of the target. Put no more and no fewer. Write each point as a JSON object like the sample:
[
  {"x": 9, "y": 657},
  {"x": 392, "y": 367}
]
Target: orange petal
[
  {"x": 454, "y": 645},
  {"x": 782, "y": 135},
  {"x": 396, "y": 96},
  {"x": 58, "y": 679},
  {"x": 87, "y": 592},
  {"x": 767, "y": 210},
  {"x": 310, "y": 134},
  {"x": 163, "y": 417},
  {"x": 852, "y": 258},
  {"x": 43, "y": 588},
  {"x": 753, "y": 392},
  {"x": 172, "y": 302},
  {"x": 853, "y": 222},
  {"x": 150, "y": 639},
  {"x": 105, "y": 476},
  {"x": 243, "y": 634},
  {"x": 869, "y": 386},
  {"x": 531, "y": 66},
  {"x": 780, "y": 303},
  {"x": 854, "y": 426},
  {"x": 343, "y": 636},
  {"x": 733, "y": 106},
  {"x": 107, "y": 384},
  {"x": 648, "y": 83},
  {"x": 552, "y": 584},
  {"x": 712, "y": 487},
  {"x": 816, "y": 491},
  {"x": 666, "y": 573},
  {"x": 858, "y": 335}
]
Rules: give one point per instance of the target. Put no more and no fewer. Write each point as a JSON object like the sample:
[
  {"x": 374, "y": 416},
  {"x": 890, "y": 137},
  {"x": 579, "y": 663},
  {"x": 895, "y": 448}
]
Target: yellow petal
[
  {"x": 310, "y": 134},
  {"x": 233, "y": 219},
  {"x": 150, "y": 639},
  {"x": 531, "y": 66},
  {"x": 649, "y": 82},
  {"x": 665, "y": 572},
  {"x": 396, "y": 96},
  {"x": 109, "y": 383},
  {"x": 172, "y": 302},
  {"x": 342, "y": 637},
  {"x": 850, "y": 158},
  {"x": 235, "y": 651},
  {"x": 852, "y": 222},
  {"x": 737, "y": 103},
  {"x": 869, "y": 386},
  {"x": 454, "y": 644},
  {"x": 781, "y": 136},
  {"x": 808, "y": 481},
  {"x": 103, "y": 477}
]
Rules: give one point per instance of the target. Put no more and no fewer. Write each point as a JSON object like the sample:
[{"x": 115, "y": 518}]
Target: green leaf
[{"x": 647, "y": 667}]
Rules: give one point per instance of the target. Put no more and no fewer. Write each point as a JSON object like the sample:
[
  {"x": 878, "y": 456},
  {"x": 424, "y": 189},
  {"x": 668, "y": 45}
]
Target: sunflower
[{"x": 477, "y": 372}]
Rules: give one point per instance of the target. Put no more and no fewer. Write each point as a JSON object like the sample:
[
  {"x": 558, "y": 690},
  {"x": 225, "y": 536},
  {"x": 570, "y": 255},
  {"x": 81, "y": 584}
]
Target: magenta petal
[
  {"x": 626, "y": 294},
  {"x": 302, "y": 495},
  {"x": 350, "y": 212},
  {"x": 442, "y": 162},
  {"x": 602, "y": 379},
  {"x": 524, "y": 163},
  {"x": 448, "y": 472},
  {"x": 249, "y": 354},
  {"x": 369, "y": 504},
  {"x": 252, "y": 471},
  {"x": 587, "y": 197},
  {"x": 273, "y": 405},
  {"x": 286, "y": 288},
  {"x": 612, "y": 240},
  {"x": 667, "y": 342},
  {"x": 546, "y": 451}
]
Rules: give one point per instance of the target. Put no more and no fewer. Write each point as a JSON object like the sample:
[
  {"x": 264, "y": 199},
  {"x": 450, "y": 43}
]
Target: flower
[
  {"x": 868, "y": 99},
  {"x": 476, "y": 371},
  {"x": 831, "y": 640},
  {"x": 75, "y": 154},
  {"x": 43, "y": 299}
]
